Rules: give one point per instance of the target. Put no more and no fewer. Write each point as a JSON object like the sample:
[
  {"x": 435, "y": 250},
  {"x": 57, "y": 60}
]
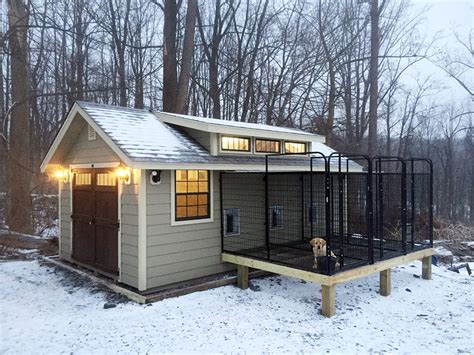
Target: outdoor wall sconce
[
  {"x": 62, "y": 175},
  {"x": 124, "y": 174}
]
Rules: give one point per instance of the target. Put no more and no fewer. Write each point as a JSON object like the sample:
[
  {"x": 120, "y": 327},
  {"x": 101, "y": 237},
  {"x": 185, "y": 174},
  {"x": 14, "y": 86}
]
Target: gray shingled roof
[{"x": 142, "y": 137}]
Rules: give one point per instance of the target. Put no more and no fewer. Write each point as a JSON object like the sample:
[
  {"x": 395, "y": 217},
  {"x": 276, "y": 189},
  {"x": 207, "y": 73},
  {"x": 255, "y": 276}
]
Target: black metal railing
[{"x": 365, "y": 209}]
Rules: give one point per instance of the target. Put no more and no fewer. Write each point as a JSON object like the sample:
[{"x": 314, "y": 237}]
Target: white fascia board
[
  {"x": 222, "y": 167},
  {"x": 59, "y": 138},
  {"x": 233, "y": 130},
  {"x": 64, "y": 128}
]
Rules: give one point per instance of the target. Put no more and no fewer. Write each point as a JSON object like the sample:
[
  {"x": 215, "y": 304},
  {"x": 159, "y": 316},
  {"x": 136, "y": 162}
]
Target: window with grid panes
[
  {"x": 240, "y": 144},
  {"x": 192, "y": 197},
  {"x": 267, "y": 146}
]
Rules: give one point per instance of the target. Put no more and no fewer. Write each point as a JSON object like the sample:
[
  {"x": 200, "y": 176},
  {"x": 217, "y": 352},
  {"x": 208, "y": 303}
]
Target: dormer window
[
  {"x": 239, "y": 144},
  {"x": 295, "y": 147},
  {"x": 267, "y": 146}
]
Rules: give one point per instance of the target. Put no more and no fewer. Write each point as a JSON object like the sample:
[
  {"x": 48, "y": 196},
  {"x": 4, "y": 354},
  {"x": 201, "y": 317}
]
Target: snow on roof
[
  {"x": 144, "y": 138},
  {"x": 141, "y": 136},
  {"x": 209, "y": 123}
]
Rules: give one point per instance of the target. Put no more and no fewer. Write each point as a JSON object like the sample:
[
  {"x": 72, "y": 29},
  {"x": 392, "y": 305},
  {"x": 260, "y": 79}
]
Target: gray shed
[{"x": 139, "y": 191}]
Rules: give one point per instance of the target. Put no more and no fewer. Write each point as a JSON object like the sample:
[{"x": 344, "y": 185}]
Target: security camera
[{"x": 155, "y": 177}]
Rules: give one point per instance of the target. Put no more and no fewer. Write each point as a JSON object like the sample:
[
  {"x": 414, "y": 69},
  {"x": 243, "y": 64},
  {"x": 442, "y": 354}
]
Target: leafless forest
[{"x": 338, "y": 68}]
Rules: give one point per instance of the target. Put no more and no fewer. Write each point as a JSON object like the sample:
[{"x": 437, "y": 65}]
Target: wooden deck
[{"x": 328, "y": 283}]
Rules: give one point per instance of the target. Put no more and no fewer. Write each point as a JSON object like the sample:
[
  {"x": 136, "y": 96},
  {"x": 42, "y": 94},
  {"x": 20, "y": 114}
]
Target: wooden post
[
  {"x": 426, "y": 268},
  {"x": 386, "y": 282},
  {"x": 242, "y": 277},
  {"x": 328, "y": 308}
]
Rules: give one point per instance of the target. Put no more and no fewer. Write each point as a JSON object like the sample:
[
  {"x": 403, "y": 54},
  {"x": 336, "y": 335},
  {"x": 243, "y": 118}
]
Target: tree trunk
[
  {"x": 186, "y": 58},
  {"x": 170, "y": 82},
  {"x": 373, "y": 76},
  {"x": 18, "y": 216}
]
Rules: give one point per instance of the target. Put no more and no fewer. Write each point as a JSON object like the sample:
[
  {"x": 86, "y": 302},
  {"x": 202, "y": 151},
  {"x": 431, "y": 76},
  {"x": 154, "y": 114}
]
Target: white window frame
[
  {"x": 174, "y": 222},
  {"x": 297, "y": 142},
  {"x": 233, "y": 152},
  {"x": 282, "y": 143}
]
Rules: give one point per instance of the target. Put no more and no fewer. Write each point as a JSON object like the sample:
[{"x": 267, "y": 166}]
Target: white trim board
[
  {"x": 95, "y": 165},
  {"x": 226, "y": 167},
  {"x": 60, "y": 217},
  {"x": 119, "y": 232},
  {"x": 231, "y": 127},
  {"x": 141, "y": 177}
]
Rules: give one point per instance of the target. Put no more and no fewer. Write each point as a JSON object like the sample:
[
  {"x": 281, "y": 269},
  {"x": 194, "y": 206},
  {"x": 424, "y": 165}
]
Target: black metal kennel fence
[{"x": 366, "y": 210}]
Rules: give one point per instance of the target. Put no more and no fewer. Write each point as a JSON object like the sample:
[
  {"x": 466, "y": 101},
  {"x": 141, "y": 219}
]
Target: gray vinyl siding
[
  {"x": 184, "y": 252},
  {"x": 203, "y": 138},
  {"x": 66, "y": 245},
  {"x": 129, "y": 233},
  {"x": 86, "y": 151},
  {"x": 245, "y": 192}
]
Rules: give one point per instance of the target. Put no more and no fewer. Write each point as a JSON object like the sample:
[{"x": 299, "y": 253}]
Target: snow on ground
[{"x": 45, "y": 310}]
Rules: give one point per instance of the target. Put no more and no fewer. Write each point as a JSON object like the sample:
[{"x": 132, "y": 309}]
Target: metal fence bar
[
  {"x": 364, "y": 222},
  {"x": 404, "y": 206},
  {"x": 267, "y": 212},
  {"x": 412, "y": 193},
  {"x": 221, "y": 209}
]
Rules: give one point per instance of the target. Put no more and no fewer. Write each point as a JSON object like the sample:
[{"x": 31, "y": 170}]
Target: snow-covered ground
[{"x": 46, "y": 310}]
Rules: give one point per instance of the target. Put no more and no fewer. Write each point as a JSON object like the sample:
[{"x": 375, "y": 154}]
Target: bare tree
[{"x": 18, "y": 165}]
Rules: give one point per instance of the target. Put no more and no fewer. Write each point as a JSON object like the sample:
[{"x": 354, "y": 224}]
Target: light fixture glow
[
  {"x": 124, "y": 174},
  {"x": 61, "y": 175}
]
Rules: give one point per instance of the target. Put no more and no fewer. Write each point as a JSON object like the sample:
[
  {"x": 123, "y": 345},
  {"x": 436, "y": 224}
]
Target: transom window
[
  {"x": 81, "y": 179},
  {"x": 105, "y": 179},
  {"x": 295, "y": 147},
  {"x": 240, "y": 144},
  {"x": 192, "y": 194},
  {"x": 267, "y": 146}
]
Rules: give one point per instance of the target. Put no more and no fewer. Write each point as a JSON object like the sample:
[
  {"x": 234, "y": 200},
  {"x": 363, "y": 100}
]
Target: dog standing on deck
[{"x": 319, "y": 249}]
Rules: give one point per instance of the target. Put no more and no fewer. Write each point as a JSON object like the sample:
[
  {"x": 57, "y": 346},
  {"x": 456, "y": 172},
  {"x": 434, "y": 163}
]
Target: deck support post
[
  {"x": 426, "y": 268},
  {"x": 242, "y": 277},
  {"x": 328, "y": 308},
  {"x": 386, "y": 282}
]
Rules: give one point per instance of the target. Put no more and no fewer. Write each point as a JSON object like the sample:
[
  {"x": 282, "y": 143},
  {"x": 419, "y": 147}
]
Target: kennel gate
[{"x": 367, "y": 210}]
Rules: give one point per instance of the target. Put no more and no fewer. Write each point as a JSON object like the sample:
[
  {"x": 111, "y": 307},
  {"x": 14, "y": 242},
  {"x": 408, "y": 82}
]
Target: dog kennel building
[{"x": 156, "y": 199}]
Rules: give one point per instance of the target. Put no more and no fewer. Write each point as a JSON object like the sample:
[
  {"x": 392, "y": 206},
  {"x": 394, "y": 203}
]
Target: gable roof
[
  {"x": 145, "y": 140},
  {"x": 140, "y": 135},
  {"x": 234, "y": 127}
]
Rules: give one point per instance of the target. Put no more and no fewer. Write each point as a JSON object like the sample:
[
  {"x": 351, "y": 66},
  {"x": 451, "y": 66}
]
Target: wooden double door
[{"x": 95, "y": 219}]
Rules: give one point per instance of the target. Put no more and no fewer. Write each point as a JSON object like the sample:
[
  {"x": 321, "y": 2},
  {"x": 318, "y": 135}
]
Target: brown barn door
[{"x": 95, "y": 219}]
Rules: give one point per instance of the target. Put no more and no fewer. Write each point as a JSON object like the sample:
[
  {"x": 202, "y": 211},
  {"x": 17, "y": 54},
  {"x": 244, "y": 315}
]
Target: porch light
[
  {"x": 62, "y": 175},
  {"x": 124, "y": 174}
]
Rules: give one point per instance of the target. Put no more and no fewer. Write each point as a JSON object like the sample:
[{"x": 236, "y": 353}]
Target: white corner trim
[
  {"x": 173, "y": 221},
  {"x": 60, "y": 217},
  {"x": 119, "y": 232},
  {"x": 71, "y": 221},
  {"x": 140, "y": 175}
]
